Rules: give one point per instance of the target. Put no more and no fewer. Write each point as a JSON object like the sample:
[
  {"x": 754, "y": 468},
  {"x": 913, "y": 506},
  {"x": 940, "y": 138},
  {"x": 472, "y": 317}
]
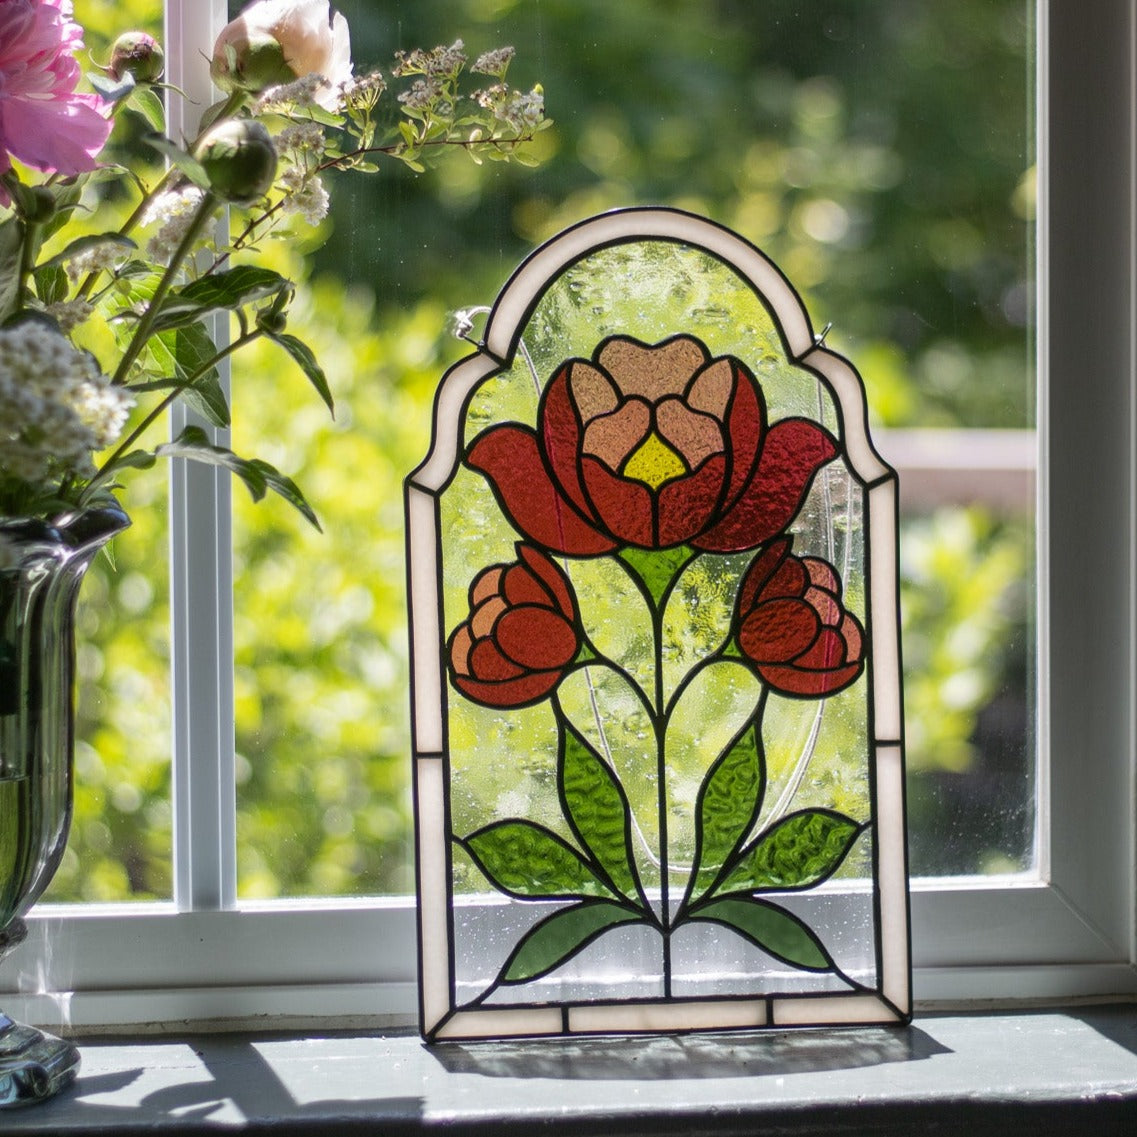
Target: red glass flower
[
  {"x": 654, "y": 446},
  {"x": 521, "y": 633},
  {"x": 792, "y": 624}
]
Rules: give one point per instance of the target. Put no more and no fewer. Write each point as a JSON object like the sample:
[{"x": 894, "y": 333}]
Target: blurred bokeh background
[{"x": 880, "y": 151}]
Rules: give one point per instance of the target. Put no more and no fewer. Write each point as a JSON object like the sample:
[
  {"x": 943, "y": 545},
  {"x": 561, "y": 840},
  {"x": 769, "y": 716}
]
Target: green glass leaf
[
  {"x": 528, "y": 861},
  {"x": 728, "y": 804},
  {"x": 773, "y": 929},
  {"x": 597, "y": 810},
  {"x": 302, "y": 355},
  {"x": 798, "y": 852},
  {"x": 559, "y": 937},
  {"x": 658, "y": 569}
]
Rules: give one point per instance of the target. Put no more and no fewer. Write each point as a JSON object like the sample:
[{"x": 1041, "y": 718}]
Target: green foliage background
[{"x": 878, "y": 150}]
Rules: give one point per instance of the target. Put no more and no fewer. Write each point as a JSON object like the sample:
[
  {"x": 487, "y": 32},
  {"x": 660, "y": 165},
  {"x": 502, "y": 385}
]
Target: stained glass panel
[{"x": 656, "y": 696}]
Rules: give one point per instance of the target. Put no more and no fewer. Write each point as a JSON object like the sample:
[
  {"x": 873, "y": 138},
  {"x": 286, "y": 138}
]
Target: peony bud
[
  {"x": 273, "y": 42},
  {"x": 239, "y": 159},
  {"x": 139, "y": 55}
]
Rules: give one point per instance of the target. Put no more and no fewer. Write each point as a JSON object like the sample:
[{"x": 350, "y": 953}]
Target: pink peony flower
[{"x": 43, "y": 122}]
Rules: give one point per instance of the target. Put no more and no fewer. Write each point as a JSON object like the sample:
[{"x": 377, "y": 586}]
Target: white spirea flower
[
  {"x": 521, "y": 110},
  {"x": 172, "y": 211},
  {"x": 69, "y": 314},
  {"x": 422, "y": 94},
  {"x": 525, "y": 109},
  {"x": 364, "y": 90},
  {"x": 301, "y": 138},
  {"x": 56, "y": 407},
  {"x": 493, "y": 62},
  {"x": 440, "y": 62},
  {"x": 301, "y": 93},
  {"x": 304, "y": 194},
  {"x": 95, "y": 258}
]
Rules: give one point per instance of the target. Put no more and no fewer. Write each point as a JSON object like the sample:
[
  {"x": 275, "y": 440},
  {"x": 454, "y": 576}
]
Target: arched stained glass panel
[{"x": 657, "y": 720}]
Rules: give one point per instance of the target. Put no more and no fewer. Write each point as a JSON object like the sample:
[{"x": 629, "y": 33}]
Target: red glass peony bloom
[
  {"x": 793, "y": 626},
  {"x": 43, "y": 122},
  {"x": 652, "y": 446},
  {"x": 521, "y": 633}
]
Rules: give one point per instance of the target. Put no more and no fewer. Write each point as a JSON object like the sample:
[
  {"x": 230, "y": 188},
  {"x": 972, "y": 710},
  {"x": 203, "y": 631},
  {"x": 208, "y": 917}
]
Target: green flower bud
[
  {"x": 139, "y": 55},
  {"x": 239, "y": 159},
  {"x": 251, "y": 64},
  {"x": 271, "y": 321}
]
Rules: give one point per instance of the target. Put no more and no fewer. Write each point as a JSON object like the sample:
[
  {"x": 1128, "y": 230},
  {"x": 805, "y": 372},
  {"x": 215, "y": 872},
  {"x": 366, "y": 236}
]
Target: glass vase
[{"x": 41, "y": 568}]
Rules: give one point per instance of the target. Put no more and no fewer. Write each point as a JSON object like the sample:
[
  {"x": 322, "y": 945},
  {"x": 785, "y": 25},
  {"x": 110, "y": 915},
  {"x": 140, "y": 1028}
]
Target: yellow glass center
[{"x": 653, "y": 462}]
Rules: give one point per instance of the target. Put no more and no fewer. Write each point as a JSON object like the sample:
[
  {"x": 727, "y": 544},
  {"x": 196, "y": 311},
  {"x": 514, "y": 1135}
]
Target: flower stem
[
  {"x": 200, "y": 219},
  {"x": 27, "y": 264},
  {"x": 155, "y": 413}
]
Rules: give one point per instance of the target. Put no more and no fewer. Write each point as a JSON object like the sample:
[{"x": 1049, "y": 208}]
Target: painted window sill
[{"x": 1070, "y": 1071}]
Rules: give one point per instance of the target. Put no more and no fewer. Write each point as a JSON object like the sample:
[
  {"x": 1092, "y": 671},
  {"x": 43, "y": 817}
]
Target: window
[{"x": 1063, "y": 928}]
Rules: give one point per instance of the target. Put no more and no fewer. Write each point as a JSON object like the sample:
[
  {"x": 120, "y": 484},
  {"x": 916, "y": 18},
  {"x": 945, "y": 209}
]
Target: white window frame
[{"x": 1069, "y": 934}]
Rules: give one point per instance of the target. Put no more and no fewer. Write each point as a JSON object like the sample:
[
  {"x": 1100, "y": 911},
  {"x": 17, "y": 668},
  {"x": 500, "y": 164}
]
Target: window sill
[{"x": 1042, "y": 1072}]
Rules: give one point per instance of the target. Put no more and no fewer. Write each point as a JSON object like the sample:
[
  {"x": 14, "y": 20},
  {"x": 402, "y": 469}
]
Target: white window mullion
[{"x": 201, "y": 576}]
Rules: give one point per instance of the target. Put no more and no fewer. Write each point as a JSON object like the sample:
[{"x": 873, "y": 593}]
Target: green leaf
[
  {"x": 89, "y": 241},
  {"x": 597, "y": 810},
  {"x": 214, "y": 112},
  {"x": 149, "y": 105},
  {"x": 135, "y": 460},
  {"x": 773, "y": 929},
  {"x": 218, "y": 292},
  {"x": 302, "y": 354},
  {"x": 324, "y": 117},
  {"x": 258, "y": 476},
  {"x": 658, "y": 569},
  {"x": 561, "y": 936},
  {"x": 728, "y": 804},
  {"x": 800, "y": 851},
  {"x": 526, "y": 860},
  {"x": 193, "y": 349},
  {"x": 67, "y": 197},
  {"x": 188, "y": 165},
  {"x": 234, "y": 287},
  {"x": 11, "y": 244},
  {"x": 51, "y": 283}
]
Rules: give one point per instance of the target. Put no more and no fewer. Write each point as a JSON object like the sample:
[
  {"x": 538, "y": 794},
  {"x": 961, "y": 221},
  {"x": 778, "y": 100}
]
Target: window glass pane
[
  {"x": 120, "y": 842},
  {"x": 121, "y": 836},
  {"x": 881, "y": 152}
]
